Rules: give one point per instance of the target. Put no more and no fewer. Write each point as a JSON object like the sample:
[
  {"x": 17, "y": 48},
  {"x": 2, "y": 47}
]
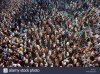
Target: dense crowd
[{"x": 36, "y": 34}]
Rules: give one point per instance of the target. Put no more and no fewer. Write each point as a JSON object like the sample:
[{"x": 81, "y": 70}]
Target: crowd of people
[{"x": 38, "y": 34}]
